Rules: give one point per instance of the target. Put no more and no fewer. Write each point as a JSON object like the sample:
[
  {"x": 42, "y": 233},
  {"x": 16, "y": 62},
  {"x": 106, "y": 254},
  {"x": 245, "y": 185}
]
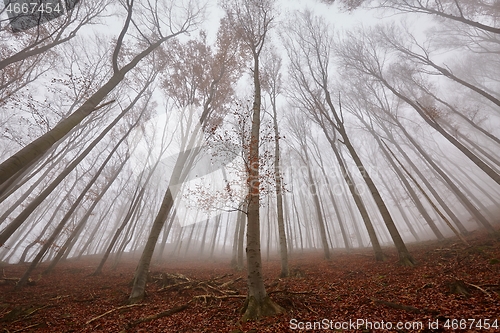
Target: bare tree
[
  {"x": 252, "y": 20},
  {"x": 272, "y": 84},
  {"x": 311, "y": 56},
  {"x": 176, "y": 26},
  {"x": 210, "y": 88}
]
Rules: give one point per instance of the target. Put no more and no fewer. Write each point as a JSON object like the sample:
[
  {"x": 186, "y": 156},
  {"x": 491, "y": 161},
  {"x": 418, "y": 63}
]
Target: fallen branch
[
  {"x": 25, "y": 328},
  {"x": 479, "y": 288},
  {"x": 174, "y": 285},
  {"x": 24, "y": 316},
  {"x": 219, "y": 297},
  {"x": 290, "y": 292},
  {"x": 112, "y": 310},
  {"x": 157, "y": 316},
  {"x": 228, "y": 283}
]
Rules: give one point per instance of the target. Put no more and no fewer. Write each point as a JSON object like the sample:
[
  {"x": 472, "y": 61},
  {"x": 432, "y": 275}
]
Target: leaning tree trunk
[
  {"x": 184, "y": 162},
  {"x": 69, "y": 213},
  {"x": 427, "y": 183},
  {"x": 343, "y": 229},
  {"x": 66, "y": 248},
  {"x": 408, "y": 187},
  {"x": 426, "y": 114},
  {"x": 7, "y": 232},
  {"x": 453, "y": 187},
  {"x": 38, "y": 147},
  {"x": 358, "y": 200},
  {"x": 136, "y": 200},
  {"x": 436, "y": 209},
  {"x": 401, "y": 210},
  {"x": 405, "y": 257}
]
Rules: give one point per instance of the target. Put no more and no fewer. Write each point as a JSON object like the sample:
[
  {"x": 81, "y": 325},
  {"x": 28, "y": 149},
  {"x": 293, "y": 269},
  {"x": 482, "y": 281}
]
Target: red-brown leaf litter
[{"x": 454, "y": 288}]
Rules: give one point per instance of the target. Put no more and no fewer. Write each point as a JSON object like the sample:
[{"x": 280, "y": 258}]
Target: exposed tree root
[
  {"x": 405, "y": 259},
  {"x": 380, "y": 256},
  {"x": 255, "y": 310},
  {"x": 458, "y": 287},
  {"x": 4, "y": 280}
]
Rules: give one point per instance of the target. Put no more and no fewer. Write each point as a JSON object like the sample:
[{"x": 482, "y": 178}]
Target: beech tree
[
  {"x": 272, "y": 84},
  {"x": 310, "y": 53},
  {"x": 252, "y": 20},
  {"x": 208, "y": 89},
  {"x": 185, "y": 20}
]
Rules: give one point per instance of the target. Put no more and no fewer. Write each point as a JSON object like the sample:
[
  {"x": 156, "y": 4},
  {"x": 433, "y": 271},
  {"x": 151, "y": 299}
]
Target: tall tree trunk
[
  {"x": 214, "y": 235},
  {"x": 241, "y": 241},
  {"x": 405, "y": 257},
  {"x": 453, "y": 187},
  {"x": 427, "y": 183},
  {"x": 279, "y": 192},
  {"x": 234, "y": 258},
  {"x": 428, "y": 199},
  {"x": 314, "y": 193},
  {"x": 65, "y": 249},
  {"x": 258, "y": 304},
  {"x": 401, "y": 210},
  {"x": 426, "y": 115},
  {"x": 74, "y": 206},
  {"x": 136, "y": 200},
  {"x": 408, "y": 187},
  {"x": 39, "y": 146},
  {"x": 7, "y": 232}
]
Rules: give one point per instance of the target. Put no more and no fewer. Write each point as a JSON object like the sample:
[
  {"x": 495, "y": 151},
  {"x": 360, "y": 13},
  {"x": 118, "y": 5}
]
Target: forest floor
[{"x": 452, "y": 286}]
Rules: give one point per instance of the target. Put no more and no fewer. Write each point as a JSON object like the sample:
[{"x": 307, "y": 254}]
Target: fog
[{"x": 246, "y": 131}]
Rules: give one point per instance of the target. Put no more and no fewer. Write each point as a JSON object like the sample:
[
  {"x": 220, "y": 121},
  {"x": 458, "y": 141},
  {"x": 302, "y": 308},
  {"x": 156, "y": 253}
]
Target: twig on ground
[
  {"x": 112, "y": 310},
  {"x": 479, "y": 288},
  {"x": 157, "y": 316}
]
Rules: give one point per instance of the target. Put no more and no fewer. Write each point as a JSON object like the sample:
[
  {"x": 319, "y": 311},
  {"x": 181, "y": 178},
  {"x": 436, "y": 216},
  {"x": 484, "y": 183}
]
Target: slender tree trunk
[
  {"x": 279, "y": 194},
  {"x": 470, "y": 207},
  {"x": 96, "y": 229},
  {"x": 433, "y": 123},
  {"x": 314, "y": 194},
  {"x": 340, "y": 220},
  {"x": 358, "y": 200},
  {"x": 62, "y": 223},
  {"x": 234, "y": 258},
  {"x": 428, "y": 199},
  {"x": 241, "y": 241},
  {"x": 405, "y": 257},
  {"x": 83, "y": 221},
  {"x": 136, "y": 200},
  {"x": 408, "y": 187},
  {"x": 214, "y": 235},
  {"x": 427, "y": 183},
  {"x": 39, "y": 146},
  {"x": 7, "y": 232},
  {"x": 401, "y": 210}
]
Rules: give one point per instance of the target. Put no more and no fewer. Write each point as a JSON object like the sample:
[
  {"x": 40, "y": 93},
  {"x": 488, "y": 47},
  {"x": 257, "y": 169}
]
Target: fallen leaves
[{"x": 206, "y": 296}]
